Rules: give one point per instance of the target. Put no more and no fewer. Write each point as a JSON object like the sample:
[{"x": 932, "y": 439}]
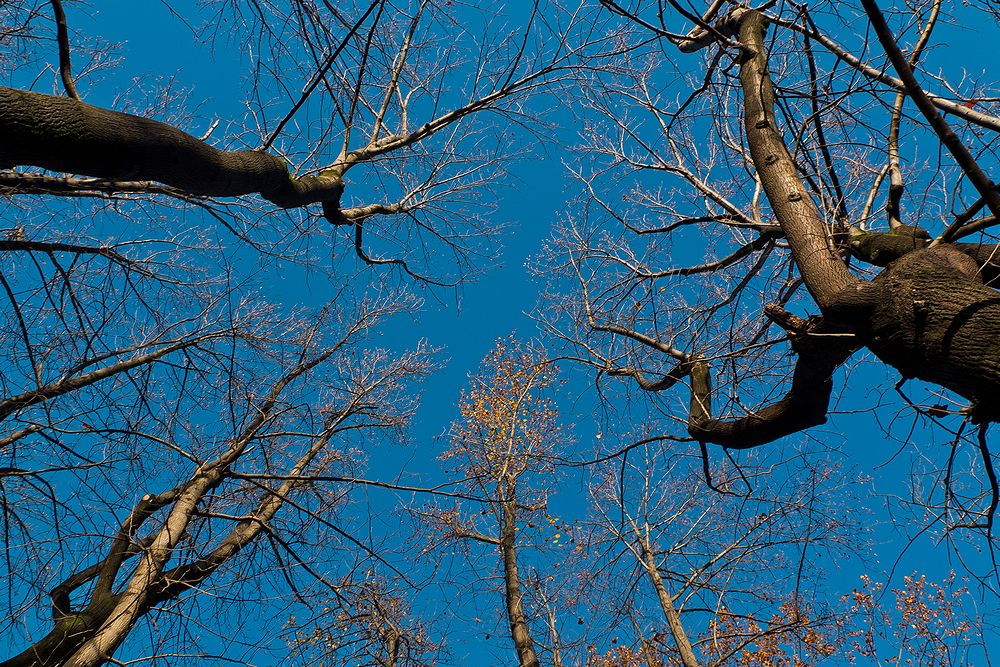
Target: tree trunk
[
  {"x": 929, "y": 316},
  {"x": 519, "y": 632},
  {"x": 66, "y": 637},
  {"x": 677, "y": 631}
]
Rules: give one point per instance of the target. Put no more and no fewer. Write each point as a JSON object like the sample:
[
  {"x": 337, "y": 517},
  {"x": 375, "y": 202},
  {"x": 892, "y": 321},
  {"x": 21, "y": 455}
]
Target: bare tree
[
  {"x": 719, "y": 186},
  {"x": 219, "y": 453},
  {"x": 700, "y": 578},
  {"x": 401, "y": 107},
  {"x": 178, "y": 443}
]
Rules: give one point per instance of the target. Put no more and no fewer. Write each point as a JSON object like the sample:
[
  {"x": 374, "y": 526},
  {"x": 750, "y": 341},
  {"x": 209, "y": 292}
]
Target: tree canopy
[{"x": 747, "y": 424}]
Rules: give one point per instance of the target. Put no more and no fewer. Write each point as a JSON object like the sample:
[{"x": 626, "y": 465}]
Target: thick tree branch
[
  {"x": 668, "y": 380},
  {"x": 16, "y": 183},
  {"x": 66, "y": 135},
  {"x": 49, "y": 247},
  {"x": 883, "y": 248},
  {"x": 821, "y": 349},
  {"x": 824, "y": 272}
]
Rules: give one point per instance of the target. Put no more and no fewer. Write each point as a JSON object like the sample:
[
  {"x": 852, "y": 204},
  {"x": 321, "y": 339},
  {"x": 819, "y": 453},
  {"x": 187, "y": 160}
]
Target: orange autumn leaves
[
  {"x": 929, "y": 624},
  {"x": 509, "y": 422}
]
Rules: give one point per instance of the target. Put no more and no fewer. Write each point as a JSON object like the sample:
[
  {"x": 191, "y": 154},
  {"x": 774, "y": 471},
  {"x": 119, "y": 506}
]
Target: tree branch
[
  {"x": 62, "y": 36},
  {"x": 958, "y": 150},
  {"x": 824, "y": 272},
  {"x": 876, "y": 74},
  {"x": 821, "y": 349},
  {"x": 66, "y": 135}
]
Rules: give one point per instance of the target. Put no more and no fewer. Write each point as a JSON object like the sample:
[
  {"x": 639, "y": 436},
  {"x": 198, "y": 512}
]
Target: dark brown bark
[
  {"x": 523, "y": 643},
  {"x": 70, "y": 136},
  {"x": 68, "y": 634},
  {"x": 929, "y": 314},
  {"x": 883, "y": 248},
  {"x": 821, "y": 349}
]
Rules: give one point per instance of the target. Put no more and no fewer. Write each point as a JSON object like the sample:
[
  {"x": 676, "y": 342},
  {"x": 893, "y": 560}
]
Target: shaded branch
[
  {"x": 958, "y": 150},
  {"x": 821, "y": 349},
  {"x": 62, "y": 36},
  {"x": 70, "y": 136},
  {"x": 955, "y": 108},
  {"x": 17, "y": 183}
]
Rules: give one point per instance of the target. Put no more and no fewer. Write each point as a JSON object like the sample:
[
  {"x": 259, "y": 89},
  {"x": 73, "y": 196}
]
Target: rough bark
[
  {"x": 883, "y": 248},
  {"x": 822, "y": 269},
  {"x": 929, "y": 316},
  {"x": 67, "y": 135},
  {"x": 68, "y": 634}
]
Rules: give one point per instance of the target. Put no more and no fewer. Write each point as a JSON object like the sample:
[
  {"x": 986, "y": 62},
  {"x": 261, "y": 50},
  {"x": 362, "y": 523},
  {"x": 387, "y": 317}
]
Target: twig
[
  {"x": 311, "y": 86},
  {"x": 995, "y": 492}
]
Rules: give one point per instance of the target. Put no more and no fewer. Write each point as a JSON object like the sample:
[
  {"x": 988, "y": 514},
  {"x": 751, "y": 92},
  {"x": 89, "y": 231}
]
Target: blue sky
[{"x": 465, "y": 324}]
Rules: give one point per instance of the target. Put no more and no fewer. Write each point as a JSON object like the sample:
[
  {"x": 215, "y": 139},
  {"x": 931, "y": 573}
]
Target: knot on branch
[
  {"x": 722, "y": 30},
  {"x": 881, "y": 248}
]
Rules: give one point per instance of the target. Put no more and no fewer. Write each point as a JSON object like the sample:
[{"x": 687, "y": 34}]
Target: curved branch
[
  {"x": 821, "y": 349},
  {"x": 62, "y": 36},
  {"x": 896, "y": 187}
]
